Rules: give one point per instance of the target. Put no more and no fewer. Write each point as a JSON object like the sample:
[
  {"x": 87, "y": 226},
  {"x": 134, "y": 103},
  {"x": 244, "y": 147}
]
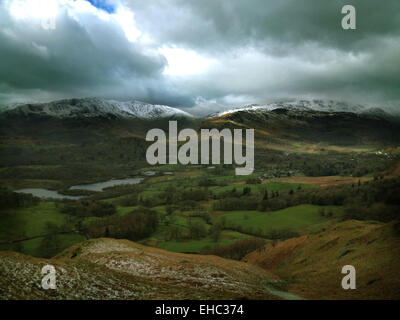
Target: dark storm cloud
[
  {"x": 302, "y": 51},
  {"x": 211, "y": 24},
  {"x": 79, "y": 57},
  {"x": 259, "y": 49}
]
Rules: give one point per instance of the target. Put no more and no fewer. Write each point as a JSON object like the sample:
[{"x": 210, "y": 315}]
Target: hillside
[
  {"x": 311, "y": 264},
  {"x": 93, "y": 119},
  {"x": 312, "y": 169},
  {"x": 307, "y": 267},
  {"x": 120, "y": 269},
  {"x": 314, "y": 104},
  {"x": 95, "y": 107},
  {"x": 312, "y": 126}
]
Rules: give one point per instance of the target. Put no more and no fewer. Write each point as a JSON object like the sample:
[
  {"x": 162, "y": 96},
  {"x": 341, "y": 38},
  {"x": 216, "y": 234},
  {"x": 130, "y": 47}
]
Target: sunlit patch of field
[
  {"x": 198, "y": 245},
  {"x": 302, "y": 218},
  {"x": 325, "y": 181},
  {"x": 267, "y": 185},
  {"x": 290, "y": 145}
]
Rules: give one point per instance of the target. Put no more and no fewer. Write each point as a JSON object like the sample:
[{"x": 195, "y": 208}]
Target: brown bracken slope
[{"x": 311, "y": 265}]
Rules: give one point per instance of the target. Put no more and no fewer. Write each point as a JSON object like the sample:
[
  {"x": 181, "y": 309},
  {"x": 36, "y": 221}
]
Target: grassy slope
[
  {"x": 31, "y": 222},
  {"x": 294, "y": 218},
  {"x": 303, "y": 219},
  {"x": 312, "y": 264},
  {"x": 227, "y": 237},
  {"x": 120, "y": 269}
]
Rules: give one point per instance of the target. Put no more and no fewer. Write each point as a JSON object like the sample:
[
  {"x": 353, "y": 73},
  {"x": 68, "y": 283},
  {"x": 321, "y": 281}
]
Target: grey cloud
[
  {"x": 74, "y": 58},
  {"x": 262, "y": 49},
  {"x": 221, "y": 25}
]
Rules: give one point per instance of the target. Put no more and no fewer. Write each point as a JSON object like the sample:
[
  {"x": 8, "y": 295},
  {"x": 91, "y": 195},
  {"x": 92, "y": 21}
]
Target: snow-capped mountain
[
  {"x": 94, "y": 107},
  {"x": 304, "y": 105}
]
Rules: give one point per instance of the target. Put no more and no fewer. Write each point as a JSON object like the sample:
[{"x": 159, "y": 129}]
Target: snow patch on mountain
[
  {"x": 305, "y": 105},
  {"x": 94, "y": 107}
]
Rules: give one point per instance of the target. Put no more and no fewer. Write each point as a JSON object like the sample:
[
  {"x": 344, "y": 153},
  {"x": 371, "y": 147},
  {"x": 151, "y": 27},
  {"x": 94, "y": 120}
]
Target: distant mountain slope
[
  {"x": 90, "y": 119},
  {"x": 78, "y": 120},
  {"x": 307, "y": 105},
  {"x": 94, "y": 107},
  {"x": 313, "y": 263},
  {"x": 297, "y": 124},
  {"x": 120, "y": 269}
]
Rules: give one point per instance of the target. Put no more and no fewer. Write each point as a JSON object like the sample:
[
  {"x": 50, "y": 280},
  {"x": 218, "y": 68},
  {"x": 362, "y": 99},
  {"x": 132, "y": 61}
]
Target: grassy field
[
  {"x": 196, "y": 246},
  {"x": 30, "y": 222},
  {"x": 303, "y": 219},
  {"x": 298, "y": 218}
]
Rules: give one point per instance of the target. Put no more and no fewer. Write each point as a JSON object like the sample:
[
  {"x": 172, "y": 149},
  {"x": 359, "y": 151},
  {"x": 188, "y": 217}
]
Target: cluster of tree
[
  {"x": 238, "y": 249},
  {"x": 253, "y": 181},
  {"x": 102, "y": 157},
  {"x": 232, "y": 193},
  {"x": 195, "y": 194},
  {"x": 328, "y": 162},
  {"x": 194, "y": 230},
  {"x": 203, "y": 214},
  {"x": 9, "y": 199},
  {"x": 207, "y": 182},
  {"x": 231, "y": 203},
  {"x": 197, "y": 230},
  {"x": 371, "y": 200},
  {"x": 50, "y": 245},
  {"x": 130, "y": 200},
  {"x": 377, "y": 211},
  {"x": 88, "y": 208},
  {"x": 184, "y": 200},
  {"x": 282, "y": 234},
  {"x": 134, "y": 225},
  {"x": 150, "y": 201}
]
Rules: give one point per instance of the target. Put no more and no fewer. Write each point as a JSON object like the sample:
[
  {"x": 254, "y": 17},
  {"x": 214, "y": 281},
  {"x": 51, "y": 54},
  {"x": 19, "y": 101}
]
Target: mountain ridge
[
  {"x": 95, "y": 107},
  {"x": 107, "y": 268},
  {"x": 308, "y": 105}
]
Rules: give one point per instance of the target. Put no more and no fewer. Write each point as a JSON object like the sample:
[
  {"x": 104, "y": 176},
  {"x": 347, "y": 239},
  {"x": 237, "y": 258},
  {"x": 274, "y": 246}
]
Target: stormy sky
[{"x": 199, "y": 55}]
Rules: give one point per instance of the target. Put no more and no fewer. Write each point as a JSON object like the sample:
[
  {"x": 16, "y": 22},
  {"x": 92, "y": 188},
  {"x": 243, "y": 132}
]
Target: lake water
[
  {"x": 47, "y": 194},
  {"x": 99, "y": 186}
]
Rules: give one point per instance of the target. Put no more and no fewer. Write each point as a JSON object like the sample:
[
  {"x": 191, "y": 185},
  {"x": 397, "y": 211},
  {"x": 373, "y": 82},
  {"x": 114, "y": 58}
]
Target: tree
[
  {"x": 246, "y": 191},
  {"x": 169, "y": 210},
  {"x": 49, "y": 246},
  {"x": 215, "y": 232},
  {"x": 197, "y": 230}
]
